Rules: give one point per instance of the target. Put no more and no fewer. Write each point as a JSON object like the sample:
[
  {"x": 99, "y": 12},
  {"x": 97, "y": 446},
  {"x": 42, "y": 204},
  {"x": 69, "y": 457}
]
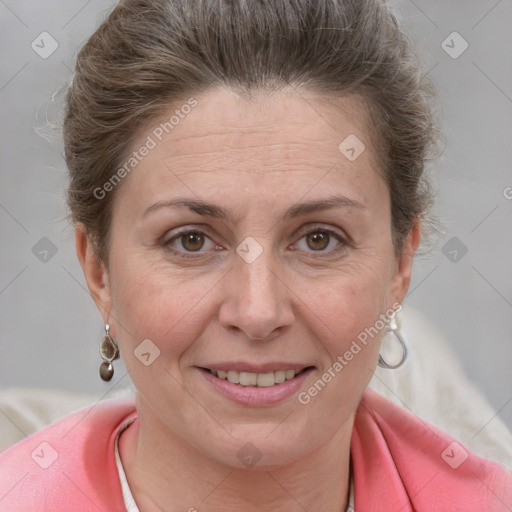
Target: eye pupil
[
  {"x": 318, "y": 240},
  {"x": 192, "y": 241}
]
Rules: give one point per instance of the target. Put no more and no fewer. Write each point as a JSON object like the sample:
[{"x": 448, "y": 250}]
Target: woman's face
[{"x": 247, "y": 240}]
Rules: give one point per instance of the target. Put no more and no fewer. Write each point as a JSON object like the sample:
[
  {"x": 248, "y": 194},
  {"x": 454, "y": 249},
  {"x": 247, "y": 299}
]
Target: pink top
[{"x": 399, "y": 463}]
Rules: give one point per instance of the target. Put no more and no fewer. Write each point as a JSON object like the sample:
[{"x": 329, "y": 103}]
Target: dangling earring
[
  {"x": 393, "y": 328},
  {"x": 109, "y": 351}
]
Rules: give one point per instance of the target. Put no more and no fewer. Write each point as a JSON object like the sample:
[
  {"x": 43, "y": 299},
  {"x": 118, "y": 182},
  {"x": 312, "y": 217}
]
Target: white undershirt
[{"x": 129, "y": 502}]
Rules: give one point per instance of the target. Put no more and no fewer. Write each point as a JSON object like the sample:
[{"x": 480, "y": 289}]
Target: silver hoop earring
[
  {"x": 109, "y": 351},
  {"x": 394, "y": 329}
]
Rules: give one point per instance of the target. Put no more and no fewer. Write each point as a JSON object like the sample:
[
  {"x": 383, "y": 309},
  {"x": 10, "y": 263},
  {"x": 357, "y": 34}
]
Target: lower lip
[{"x": 253, "y": 395}]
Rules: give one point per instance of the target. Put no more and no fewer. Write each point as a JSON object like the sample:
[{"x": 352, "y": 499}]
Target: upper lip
[{"x": 242, "y": 366}]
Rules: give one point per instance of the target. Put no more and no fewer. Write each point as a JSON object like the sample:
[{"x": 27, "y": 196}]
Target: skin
[{"x": 299, "y": 301}]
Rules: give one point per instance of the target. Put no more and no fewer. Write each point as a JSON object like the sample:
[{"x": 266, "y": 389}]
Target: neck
[{"x": 166, "y": 473}]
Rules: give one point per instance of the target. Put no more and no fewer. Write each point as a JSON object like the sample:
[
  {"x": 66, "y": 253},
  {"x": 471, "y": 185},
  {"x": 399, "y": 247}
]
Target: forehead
[
  {"x": 224, "y": 136},
  {"x": 266, "y": 119}
]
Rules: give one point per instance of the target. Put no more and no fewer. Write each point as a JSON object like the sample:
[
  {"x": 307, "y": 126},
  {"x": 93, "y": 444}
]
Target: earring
[
  {"x": 393, "y": 328},
  {"x": 109, "y": 351}
]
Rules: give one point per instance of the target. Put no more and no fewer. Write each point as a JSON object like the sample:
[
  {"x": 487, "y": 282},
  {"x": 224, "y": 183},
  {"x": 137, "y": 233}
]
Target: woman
[{"x": 247, "y": 183}]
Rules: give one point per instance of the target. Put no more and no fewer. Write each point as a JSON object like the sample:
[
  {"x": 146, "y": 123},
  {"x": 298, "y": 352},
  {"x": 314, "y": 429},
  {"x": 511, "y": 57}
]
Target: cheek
[
  {"x": 165, "y": 307},
  {"x": 348, "y": 302},
  {"x": 352, "y": 313}
]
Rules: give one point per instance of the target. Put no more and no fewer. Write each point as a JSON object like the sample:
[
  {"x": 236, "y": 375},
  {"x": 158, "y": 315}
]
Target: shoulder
[
  {"x": 410, "y": 461},
  {"x": 69, "y": 465}
]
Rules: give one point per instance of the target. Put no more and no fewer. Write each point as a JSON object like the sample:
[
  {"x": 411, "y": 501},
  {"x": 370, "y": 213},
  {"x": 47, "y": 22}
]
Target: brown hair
[{"x": 150, "y": 54}]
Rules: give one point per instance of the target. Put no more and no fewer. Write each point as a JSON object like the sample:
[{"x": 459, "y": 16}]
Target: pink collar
[{"x": 399, "y": 462}]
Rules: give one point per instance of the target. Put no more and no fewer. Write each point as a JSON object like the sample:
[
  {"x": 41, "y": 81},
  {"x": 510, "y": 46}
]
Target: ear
[
  {"x": 402, "y": 278},
  {"x": 95, "y": 272}
]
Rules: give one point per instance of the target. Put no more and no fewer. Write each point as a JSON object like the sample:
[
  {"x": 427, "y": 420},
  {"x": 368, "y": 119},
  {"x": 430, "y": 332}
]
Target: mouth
[
  {"x": 258, "y": 380},
  {"x": 256, "y": 384}
]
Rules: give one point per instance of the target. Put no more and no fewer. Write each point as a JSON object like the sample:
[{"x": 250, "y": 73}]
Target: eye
[
  {"x": 188, "y": 242},
  {"x": 192, "y": 241},
  {"x": 321, "y": 240}
]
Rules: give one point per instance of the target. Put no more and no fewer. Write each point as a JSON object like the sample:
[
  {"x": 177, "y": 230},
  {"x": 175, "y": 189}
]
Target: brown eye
[
  {"x": 318, "y": 240},
  {"x": 192, "y": 241}
]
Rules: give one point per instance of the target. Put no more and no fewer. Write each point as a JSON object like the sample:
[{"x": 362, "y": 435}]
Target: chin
[{"x": 260, "y": 452}]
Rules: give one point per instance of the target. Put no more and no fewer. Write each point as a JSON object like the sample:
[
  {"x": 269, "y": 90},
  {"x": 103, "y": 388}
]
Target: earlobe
[
  {"x": 95, "y": 272},
  {"x": 402, "y": 278}
]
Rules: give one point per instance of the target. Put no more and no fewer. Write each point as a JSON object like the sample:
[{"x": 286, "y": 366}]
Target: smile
[
  {"x": 265, "y": 387},
  {"x": 261, "y": 380}
]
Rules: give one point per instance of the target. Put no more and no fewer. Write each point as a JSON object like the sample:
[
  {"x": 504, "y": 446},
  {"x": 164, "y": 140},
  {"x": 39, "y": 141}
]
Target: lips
[{"x": 258, "y": 385}]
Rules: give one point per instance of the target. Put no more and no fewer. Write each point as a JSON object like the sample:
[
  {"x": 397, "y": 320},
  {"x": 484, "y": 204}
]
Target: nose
[{"x": 257, "y": 300}]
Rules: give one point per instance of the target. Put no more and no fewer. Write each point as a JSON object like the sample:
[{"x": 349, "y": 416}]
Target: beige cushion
[{"x": 433, "y": 385}]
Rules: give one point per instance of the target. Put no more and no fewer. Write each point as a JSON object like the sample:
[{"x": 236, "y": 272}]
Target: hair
[{"x": 150, "y": 54}]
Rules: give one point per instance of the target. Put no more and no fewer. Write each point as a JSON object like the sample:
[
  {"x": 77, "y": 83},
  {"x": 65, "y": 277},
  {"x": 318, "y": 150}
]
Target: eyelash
[{"x": 343, "y": 243}]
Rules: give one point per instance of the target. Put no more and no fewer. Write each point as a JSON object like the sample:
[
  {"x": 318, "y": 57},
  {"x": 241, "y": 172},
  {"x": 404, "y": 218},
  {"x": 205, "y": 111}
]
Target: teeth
[
  {"x": 265, "y": 380},
  {"x": 255, "y": 379},
  {"x": 247, "y": 379},
  {"x": 279, "y": 376},
  {"x": 233, "y": 377}
]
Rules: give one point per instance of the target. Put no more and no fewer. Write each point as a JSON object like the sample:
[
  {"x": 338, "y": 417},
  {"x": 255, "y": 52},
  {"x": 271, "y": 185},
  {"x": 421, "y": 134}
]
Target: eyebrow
[{"x": 211, "y": 210}]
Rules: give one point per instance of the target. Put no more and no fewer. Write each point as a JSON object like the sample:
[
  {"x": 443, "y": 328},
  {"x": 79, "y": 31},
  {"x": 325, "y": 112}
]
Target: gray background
[{"x": 50, "y": 328}]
